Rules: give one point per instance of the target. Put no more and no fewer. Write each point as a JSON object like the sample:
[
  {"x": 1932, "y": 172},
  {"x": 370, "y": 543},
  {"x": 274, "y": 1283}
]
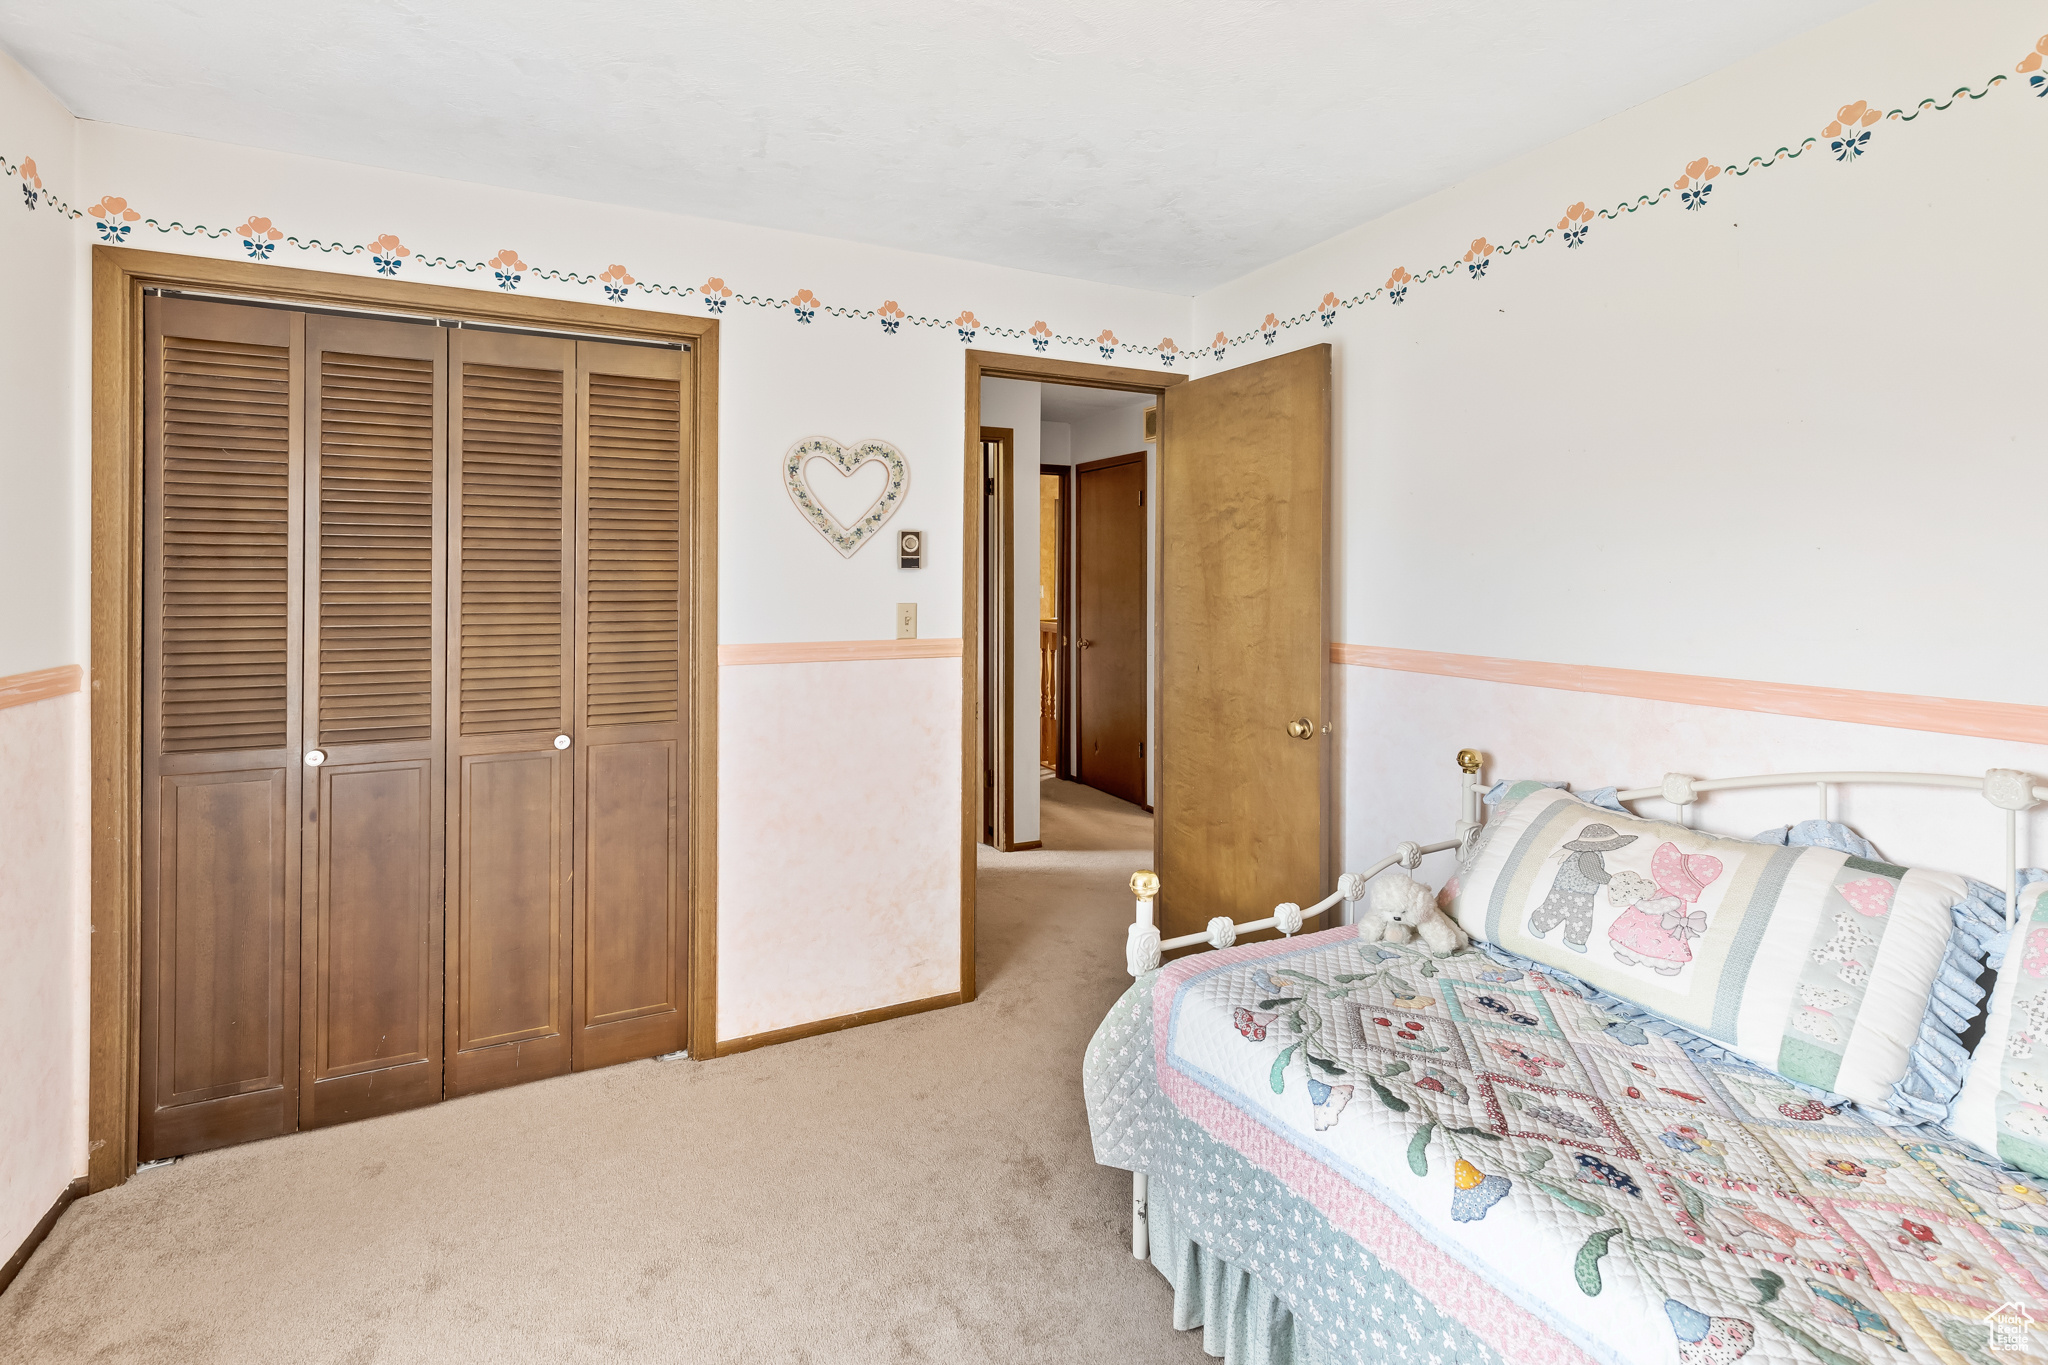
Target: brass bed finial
[
  {"x": 1470, "y": 760},
  {"x": 1145, "y": 885}
]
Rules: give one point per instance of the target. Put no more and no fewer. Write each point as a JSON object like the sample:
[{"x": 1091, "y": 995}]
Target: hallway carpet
[{"x": 919, "y": 1190}]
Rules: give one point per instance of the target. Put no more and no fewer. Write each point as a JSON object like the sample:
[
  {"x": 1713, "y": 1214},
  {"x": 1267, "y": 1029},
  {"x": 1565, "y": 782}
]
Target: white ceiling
[
  {"x": 1171, "y": 147},
  {"x": 1071, "y": 403}
]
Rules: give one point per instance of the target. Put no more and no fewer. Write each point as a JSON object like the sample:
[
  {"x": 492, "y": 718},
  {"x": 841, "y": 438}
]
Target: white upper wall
[
  {"x": 42, "y": 482},
  {"x": 1794, "y": 436},
  {"x": 1119, "y": 431},
  {"x": 1055, "y": 443}
]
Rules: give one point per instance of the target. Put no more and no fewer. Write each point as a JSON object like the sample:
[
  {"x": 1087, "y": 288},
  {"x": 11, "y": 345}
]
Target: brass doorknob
[
  {"x": 1302, "y": 729},
  {"x": 1087, "y": 644}
]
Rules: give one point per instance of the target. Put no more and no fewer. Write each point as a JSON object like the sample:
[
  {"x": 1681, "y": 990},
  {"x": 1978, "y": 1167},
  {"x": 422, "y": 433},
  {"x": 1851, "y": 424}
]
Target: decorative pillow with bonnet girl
[{"x": 1814, "y": 962}]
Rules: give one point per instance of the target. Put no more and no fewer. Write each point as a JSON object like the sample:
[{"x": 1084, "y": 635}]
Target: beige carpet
[
  {"x": 919, "y": 1190},
  {"x": 1072, "y": 817}
]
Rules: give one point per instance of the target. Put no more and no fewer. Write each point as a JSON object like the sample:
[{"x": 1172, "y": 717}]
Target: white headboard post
[
  {"x": 2009, "y": 789},
  {"x": 2012, "y": 791},
  {"x": 1471, "y": 796}
]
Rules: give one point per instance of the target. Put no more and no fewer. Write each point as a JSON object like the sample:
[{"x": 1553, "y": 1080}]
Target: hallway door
[
  {"x": 1109, "y": 625},
  {"x": 1244, "y": 643}
]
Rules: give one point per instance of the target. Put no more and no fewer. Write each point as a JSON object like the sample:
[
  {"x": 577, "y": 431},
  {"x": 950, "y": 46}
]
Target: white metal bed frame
[{"x": 2007, "y": 789}]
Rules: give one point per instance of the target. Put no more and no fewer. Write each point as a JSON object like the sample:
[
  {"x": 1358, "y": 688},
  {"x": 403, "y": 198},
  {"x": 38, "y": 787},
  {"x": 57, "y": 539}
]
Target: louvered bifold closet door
[
  {"x": 376, "y": 481},
  {"x": 222, "y": 427},
  {"x": 511, "y": 689},
  {"x": 633, "y": 556}
]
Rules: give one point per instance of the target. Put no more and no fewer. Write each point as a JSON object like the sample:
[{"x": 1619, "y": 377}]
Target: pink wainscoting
[
  {"x": 1401, "y": 732},
  {"x": 42, "y": 1006},
  {"x": 1945, "y": 715},
  {"x": 838, "y": 839},
  {"x": 837, "y": 651}
]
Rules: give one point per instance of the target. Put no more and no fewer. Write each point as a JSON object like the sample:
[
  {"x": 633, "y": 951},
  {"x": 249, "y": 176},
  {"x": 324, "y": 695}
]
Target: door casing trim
[
  {"x": 1000, "y": 585},
  {"x": 1044, "y": 370},
  {"x": 119, "y": 275}
]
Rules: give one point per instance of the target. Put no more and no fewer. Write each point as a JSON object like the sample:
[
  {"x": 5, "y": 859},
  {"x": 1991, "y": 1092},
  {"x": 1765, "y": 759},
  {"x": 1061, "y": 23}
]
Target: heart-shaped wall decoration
[{"x": 841, "y": 537}]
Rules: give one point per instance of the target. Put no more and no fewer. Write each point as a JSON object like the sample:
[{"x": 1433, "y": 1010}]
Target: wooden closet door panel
[
  {"x": 223, "y": 391},
  {"x": 632, "y": 557},
  {"x": 511, "y": 690},
  {"x": 629, "y": 900},
  {"x": 376, "y": 487},
  {"x": 373, "y": 879},
  {"x": 221, "y": 917},
  {"x": 511, "y": 921}
]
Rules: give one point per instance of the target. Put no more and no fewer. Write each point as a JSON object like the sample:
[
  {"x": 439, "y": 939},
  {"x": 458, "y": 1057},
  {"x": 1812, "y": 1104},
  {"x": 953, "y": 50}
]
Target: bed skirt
[
  {"x": 1268, "y": 1278},
  {"x": 1242, "y": 1321}
]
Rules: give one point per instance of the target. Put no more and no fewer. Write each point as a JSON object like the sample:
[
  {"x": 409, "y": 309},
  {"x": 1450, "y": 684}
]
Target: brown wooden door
[
  {"x": 1244, "y": 646},
  {"x": 631, "y": 598},
  {"x": 1109, "y": 625},
  {"x": 510, "y": 697},
  {"x": 376, "y": 475},
  {"x": 224, "y": 389}
]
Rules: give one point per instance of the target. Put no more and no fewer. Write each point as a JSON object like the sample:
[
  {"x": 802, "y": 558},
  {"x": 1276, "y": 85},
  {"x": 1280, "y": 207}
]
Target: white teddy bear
[{"x": 1402, "y": 908}]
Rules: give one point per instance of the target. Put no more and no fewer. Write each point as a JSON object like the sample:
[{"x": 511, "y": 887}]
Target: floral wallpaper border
[{"x": 1847, "y": 138}]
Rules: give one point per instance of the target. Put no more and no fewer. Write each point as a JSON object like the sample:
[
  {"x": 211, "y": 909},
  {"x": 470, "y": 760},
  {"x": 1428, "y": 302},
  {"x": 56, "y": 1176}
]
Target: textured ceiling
[{"x": 1171, "y": 147}]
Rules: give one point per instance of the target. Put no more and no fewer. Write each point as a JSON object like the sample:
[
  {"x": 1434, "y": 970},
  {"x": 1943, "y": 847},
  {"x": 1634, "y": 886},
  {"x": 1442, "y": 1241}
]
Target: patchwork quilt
[{"x": 1569, "y": 1187}]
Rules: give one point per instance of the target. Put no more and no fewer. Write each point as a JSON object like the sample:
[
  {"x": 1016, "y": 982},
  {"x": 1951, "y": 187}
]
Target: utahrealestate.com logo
[{"x": 2009, "y": 1323}]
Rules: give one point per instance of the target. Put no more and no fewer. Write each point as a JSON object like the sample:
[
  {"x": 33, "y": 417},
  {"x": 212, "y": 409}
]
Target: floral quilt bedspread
[{"x": 1574, "y": 1188}]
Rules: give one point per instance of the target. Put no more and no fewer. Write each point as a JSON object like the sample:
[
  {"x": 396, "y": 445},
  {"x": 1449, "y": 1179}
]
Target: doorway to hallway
[
  {"x": 1064, "y": 586},
  {"x": 1228, "y": 736}
]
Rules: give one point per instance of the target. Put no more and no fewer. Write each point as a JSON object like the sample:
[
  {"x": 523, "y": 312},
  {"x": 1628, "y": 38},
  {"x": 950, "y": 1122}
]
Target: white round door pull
[
  {"x": 315, "y": 757},
  {"x": 561, "y": 741}
]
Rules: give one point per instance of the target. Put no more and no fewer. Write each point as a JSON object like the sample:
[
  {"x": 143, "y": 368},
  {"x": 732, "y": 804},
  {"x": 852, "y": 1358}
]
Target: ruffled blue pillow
[{"x": 1939, "y": 1061}]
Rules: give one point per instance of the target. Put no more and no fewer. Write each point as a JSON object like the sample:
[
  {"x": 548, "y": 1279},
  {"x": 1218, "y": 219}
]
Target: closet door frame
[{"x": 115, "y": 693}]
